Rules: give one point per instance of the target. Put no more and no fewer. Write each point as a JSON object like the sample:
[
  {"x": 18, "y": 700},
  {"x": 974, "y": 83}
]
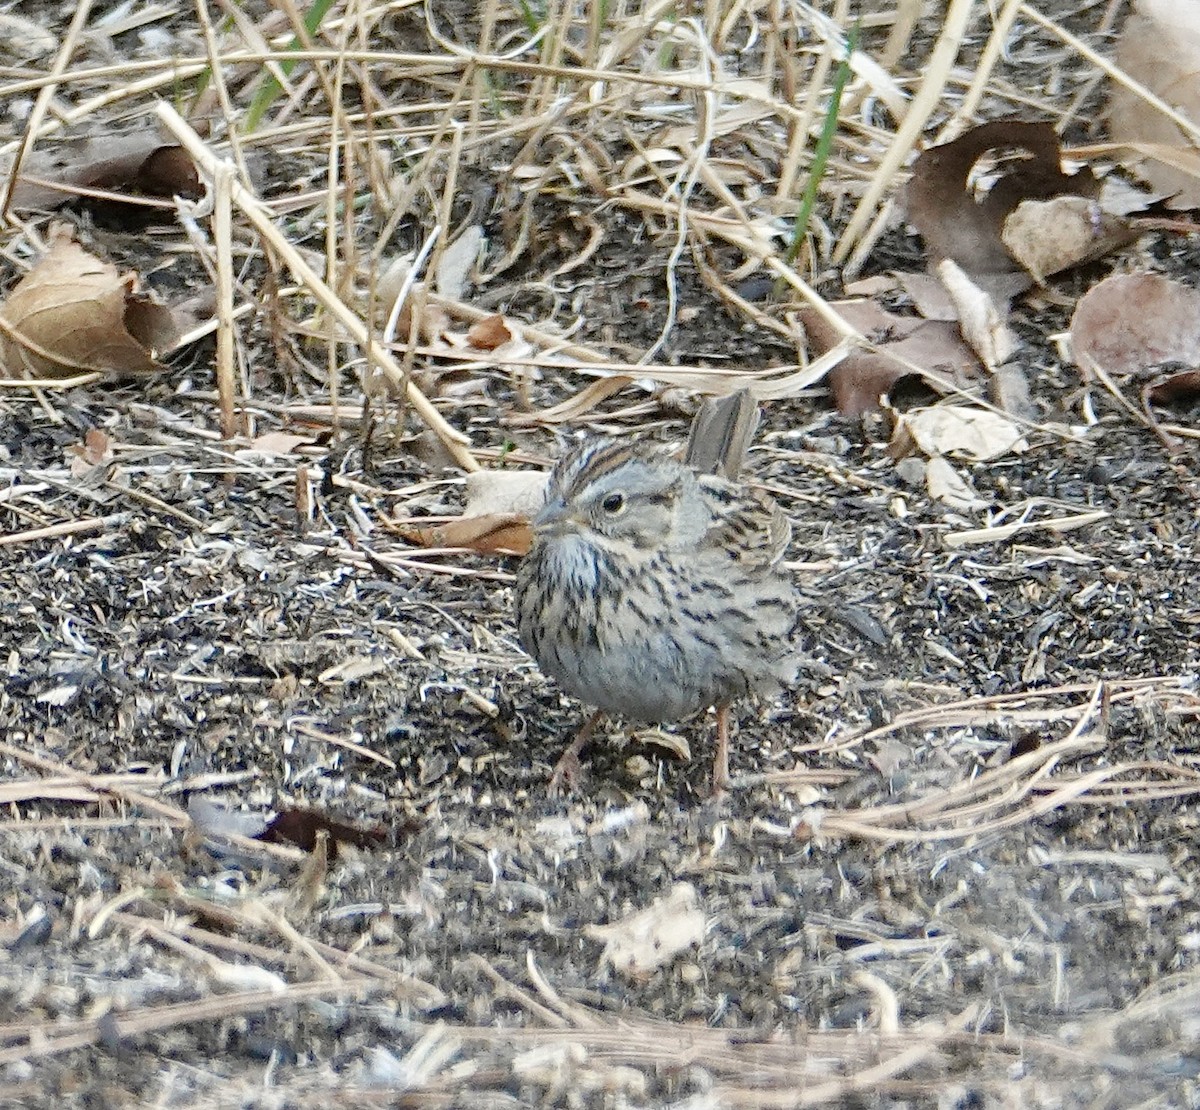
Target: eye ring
[{"x": 613, "y": 503}]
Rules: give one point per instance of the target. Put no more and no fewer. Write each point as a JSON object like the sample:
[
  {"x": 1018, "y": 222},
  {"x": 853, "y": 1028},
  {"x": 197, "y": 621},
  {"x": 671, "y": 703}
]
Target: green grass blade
[
  {"x": 270, "y": 88},
  {"x": 820, "y": 162}
]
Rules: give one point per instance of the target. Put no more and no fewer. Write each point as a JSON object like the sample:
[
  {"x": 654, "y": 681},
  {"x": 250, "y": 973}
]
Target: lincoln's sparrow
[{"x": 654, "y": 591}]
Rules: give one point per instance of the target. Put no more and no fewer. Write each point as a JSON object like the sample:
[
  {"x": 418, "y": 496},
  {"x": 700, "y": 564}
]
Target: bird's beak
[{"x": 552, "y": 516}]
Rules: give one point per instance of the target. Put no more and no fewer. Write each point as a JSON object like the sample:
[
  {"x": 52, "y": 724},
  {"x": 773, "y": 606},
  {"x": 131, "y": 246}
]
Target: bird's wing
[{"x": 747, "y": 524}]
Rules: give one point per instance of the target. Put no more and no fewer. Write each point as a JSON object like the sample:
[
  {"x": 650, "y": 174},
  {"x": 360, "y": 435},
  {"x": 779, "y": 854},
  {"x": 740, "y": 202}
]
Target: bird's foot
[
  {"x": 568, "y": 771},
  {"x": 568, "y": 774}
]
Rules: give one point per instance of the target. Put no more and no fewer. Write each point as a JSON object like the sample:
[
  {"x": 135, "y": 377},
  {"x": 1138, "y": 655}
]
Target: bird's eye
[{"x": 613, "y": 503}]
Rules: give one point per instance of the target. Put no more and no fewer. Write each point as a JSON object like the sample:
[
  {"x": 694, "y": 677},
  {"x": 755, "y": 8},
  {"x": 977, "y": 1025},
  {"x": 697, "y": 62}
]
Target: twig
[
  {"x": 66, "y": 528},
  {"x": 252, "y": 209}
]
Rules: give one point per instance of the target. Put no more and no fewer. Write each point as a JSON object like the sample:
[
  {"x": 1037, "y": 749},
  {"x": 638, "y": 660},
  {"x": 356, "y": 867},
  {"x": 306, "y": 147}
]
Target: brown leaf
[
  {"x": 1046, "y": 236},
  {"x": 302, "y": 827},
  {"x": 1132, "y": 323},
  {"x": 136, "y": 165},
  {"x": 491, "y": 534},
  {"x": 97, "y": 447},
  {"x": 500, "y": 504},
  {"x": 74, "y": 314},
  {"x": 942, "y": 204},
  {"x": 1183, "y": 386},
  {"x": 168, "y": 172},
  {"x": 863, "y": 377},
  {"x": 862, "y": 380},
  {"x": 928, "y": 295},
  {"x": 95, "y": 450},
  {"x": 489, "y": 333}
]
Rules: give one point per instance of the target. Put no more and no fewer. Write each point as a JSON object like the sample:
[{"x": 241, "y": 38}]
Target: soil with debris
[{"x": 958, "y": 867}]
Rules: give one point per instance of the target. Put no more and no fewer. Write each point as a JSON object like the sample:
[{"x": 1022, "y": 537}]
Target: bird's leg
[
  {"x": 568, "y": 769},
  {"x": 720, "y": 773}
]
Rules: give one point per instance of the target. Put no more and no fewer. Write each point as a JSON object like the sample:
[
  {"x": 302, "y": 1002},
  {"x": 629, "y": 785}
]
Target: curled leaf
[
  {"x": 1182, "y": 386},
  {"x": 489, "y": 333},
  {"x": 495, "y": 533},
  {"x": 954, "y": 224},
  {"x": 74, "y": 314},
  {"x": 979, "y": 319},
  {"x": 302, "y": 827},
  {"x": 964, "y": 431},
  {"x": 140, "y": 165}
]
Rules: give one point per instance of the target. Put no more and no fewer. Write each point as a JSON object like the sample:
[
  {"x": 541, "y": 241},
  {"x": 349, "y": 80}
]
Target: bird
[{"x": 653, "y": 588}]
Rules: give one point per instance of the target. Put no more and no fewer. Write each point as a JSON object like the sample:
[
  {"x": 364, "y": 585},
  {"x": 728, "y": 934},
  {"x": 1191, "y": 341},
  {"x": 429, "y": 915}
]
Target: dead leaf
[
  {"x": 887, "y": 756},
  {"x": 431, "y": 324},
  {"x": 492, "y": 534},
  {"x": 1170, "y": 73},
  {"x": 861, "y": 378},
  {"x": 979, "y": 319},
  {"x": 457, "y": 262},
  {"x": 574, "y": 407},
  {"x": 303, "y": 828},
  {"x": 489, "y": 333},
  {"x": 97, "y": 447},
  {"x": 195, "y": 313},
  {"x": 1132, "y": 323},
  {"x": 650, "y": 938},
  {"x": 1010, "y": 392},
  {"x": 516, "y": 492},
  {"x": 961, "y": 430},
  {"x": 137, "y": 166},
  {"x": 95, "y": 450},
  {"x": 496, "y": 520},
  {"x": 928, "y": 295},
  {"x": 1047, "y": 236},
  {"x": 877, "y": 285},
  {"x": 73, "y": 314},
  {"x": 945, "y": 484},
  {"x": 278, "y": 443},
  {"x": 673, "y": 743},
  {"x": 954, "y": 224},
  {"x": 1183, "y": 386},
  {"x": 212, "y": 819},
  {"x": 1119, "y": 197}
]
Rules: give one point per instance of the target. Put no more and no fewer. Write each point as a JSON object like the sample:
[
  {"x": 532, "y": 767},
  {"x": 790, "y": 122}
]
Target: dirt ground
[{"x": 958, "y": 867}]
